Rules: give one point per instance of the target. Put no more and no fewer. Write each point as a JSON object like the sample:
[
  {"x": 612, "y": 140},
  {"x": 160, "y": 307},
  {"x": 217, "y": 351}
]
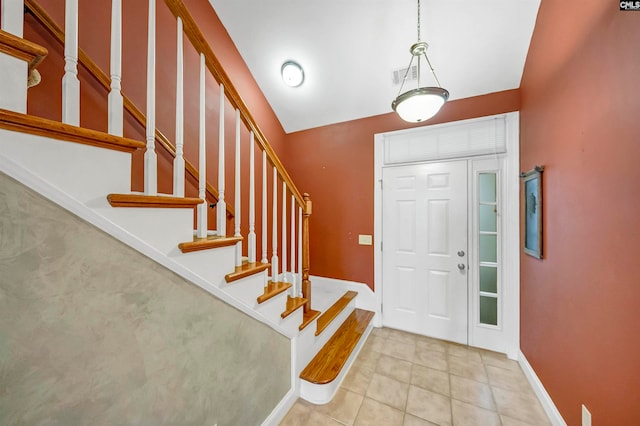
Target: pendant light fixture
[{"x": 422, "y": 103}]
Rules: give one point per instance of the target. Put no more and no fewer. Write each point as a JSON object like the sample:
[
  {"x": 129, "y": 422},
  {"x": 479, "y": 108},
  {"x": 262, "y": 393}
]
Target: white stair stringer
[
  {"x": 83, "y": 172},
  {"x": 34, "y": 175}
]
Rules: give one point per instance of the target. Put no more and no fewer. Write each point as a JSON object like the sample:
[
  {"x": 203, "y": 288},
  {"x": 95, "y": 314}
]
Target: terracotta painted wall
[
  {"x": 335, "y": 165},
  {"x": 580, "y": 305}
]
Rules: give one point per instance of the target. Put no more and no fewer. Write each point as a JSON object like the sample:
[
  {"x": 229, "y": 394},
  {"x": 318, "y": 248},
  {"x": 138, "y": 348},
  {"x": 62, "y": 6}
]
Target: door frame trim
[{"x": 511, "y": 260}]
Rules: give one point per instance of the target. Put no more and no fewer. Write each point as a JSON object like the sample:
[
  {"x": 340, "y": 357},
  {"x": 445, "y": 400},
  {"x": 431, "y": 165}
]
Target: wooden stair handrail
[
  {"x": 22, "y": 49},
  {"x": 199, "y": 42},
  {"x": 49, "y": 24}
]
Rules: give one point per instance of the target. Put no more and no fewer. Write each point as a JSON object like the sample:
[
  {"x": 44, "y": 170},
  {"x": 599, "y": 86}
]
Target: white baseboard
[
  {"x": 547, "y": 403},
  {"x": 281, "y": 409}
]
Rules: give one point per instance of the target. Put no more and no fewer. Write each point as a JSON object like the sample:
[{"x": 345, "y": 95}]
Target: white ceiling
[{"x": 349, "y": 48}]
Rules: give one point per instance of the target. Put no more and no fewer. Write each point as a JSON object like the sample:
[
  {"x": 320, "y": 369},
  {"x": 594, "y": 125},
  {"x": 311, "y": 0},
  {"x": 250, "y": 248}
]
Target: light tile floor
[{"x": 405, "y": 379}]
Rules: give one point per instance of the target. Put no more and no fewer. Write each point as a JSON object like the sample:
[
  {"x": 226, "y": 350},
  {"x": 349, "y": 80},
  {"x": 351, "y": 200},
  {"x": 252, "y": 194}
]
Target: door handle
[
  {"x": 461, "y": 253},
  {"x": 461, "y": 266}
]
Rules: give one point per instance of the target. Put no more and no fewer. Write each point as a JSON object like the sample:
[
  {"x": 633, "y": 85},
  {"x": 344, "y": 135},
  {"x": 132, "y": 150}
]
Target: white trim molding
[
  {"x": 545, "y": 400},
  {"x": 502, "y": 143}
]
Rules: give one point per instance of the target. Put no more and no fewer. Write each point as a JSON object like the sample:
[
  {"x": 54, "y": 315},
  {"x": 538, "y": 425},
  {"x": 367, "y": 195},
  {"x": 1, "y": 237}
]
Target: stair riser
[
  {"x": 292, "y": 322},
  {"x": 212, "y": 265},
  {"x": 83, "y": 172},
  {"x": 247, "y": 289},
  {"x": 162, "y": 228},
  {"x": 13, "y": 83},
  {"x": 273, "y": 307},
  {"x": 309, "y": 344}
]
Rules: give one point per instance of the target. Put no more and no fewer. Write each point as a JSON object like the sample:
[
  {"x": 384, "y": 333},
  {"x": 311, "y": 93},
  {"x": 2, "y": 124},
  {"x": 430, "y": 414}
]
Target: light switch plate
[{"x": 365, "y": 240}]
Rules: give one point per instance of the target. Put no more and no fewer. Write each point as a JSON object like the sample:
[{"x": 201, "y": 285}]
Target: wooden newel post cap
[{"x": 308, "y": 204}]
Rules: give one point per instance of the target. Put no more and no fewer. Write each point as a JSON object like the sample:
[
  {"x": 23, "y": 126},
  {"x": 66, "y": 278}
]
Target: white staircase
[{"x": 79, "y": 168}]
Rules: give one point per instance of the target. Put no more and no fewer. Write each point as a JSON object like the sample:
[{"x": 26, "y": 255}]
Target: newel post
[{"x": 306, "y": 284}]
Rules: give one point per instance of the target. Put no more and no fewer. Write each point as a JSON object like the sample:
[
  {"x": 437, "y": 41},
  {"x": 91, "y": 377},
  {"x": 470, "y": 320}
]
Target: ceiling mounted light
[
  {"x": 292, "y": 74},
  {"x": 422, "y": 103}
]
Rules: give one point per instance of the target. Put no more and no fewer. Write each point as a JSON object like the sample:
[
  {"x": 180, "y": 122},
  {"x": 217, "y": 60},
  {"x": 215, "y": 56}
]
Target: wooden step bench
[
  {"x": 293, "y": 303},
  {"x": 208, "y": 242},
  {"x": 331, "y": 313},
  {"x": 272, "y": 290},
  {"x": 327, "y": 364},
  {"x": 247, "y": 269},
  {"x": 307, "y": 318},
  {"x": 152, "y": 201}
]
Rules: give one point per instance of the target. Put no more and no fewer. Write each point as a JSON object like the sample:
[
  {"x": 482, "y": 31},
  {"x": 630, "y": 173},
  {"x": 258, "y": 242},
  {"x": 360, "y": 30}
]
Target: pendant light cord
[
  {"x": 418, "y": 20},
  {"x": 406, "y": 74}
]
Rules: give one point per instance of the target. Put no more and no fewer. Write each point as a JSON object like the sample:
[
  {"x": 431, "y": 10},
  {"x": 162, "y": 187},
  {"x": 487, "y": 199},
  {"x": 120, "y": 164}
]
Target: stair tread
[
  {"x": 308, "y": 317},
  {"x": 328, "y": 363},
  {"x": 208, "y": 242},
  {"x": 293, "y": 303},
  {"x": 152, "y": 201},
  {"x": 19, "y": 122},
  {"x": 335, "y": 309},
  {"x": 246, "y": 270},
  {"x": 273, "y": 289}
]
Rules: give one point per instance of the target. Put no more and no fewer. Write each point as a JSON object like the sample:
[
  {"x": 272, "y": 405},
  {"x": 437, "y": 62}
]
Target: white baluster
[
  {"x": 116, "y": 108},
  {"x": 12, "y": 17},
  {"x": 202, "y": 157},
  {"x": 252, "y": 201},
  {"x": 284, "y": 232},
  {"x": 264, "y": 208},
  {"x": 70, "y": 82},
  {"x": 178, "y": 162},
  {"x": 299, "y": 251},
  {"x": 292, "y": 267},
  {"x": 221, "y": 209},
  {"x": 238, "y": 216},
  {"x": 150, "y": 157},
  {"x": 274, "y": 237}
]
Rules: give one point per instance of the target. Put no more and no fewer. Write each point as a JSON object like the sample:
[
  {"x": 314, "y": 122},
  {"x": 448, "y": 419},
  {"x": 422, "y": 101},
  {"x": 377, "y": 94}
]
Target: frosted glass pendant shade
[{"x": 420, "y": 104}]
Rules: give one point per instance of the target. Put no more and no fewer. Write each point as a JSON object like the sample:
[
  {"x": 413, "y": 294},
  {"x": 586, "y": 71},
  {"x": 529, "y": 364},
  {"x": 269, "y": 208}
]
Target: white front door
[{"x": 424, "y": 236}]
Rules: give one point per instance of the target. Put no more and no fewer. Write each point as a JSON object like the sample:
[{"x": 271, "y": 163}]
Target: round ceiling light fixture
[{"x": 292, "y": 74}]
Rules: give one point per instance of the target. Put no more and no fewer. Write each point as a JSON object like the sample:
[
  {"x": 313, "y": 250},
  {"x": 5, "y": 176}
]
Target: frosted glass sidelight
[
  {"x": 487, "y": 183},
  {"x": 488, "y": 248},
  {"x": 489, "y": 279},
  {"x": 488, "y": 218},
  {"x": 488, "y": 310}
]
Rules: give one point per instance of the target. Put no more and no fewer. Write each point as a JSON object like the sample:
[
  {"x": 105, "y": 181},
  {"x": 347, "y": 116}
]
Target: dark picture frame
[{"x": 532, "y": 181}]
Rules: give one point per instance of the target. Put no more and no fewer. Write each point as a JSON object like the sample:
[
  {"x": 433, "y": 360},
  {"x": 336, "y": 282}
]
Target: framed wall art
[{"x": 532, "y": 181}]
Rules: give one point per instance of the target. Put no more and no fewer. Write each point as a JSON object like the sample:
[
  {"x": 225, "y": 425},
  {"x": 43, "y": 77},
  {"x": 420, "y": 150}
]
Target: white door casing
[
  {"x": 425, "y": 245},
  {"x": 494, "y": 138}
]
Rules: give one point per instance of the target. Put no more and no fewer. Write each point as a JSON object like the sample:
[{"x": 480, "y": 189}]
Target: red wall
[
  {"x": 335, "y": 165},
  {"x": 580, "y": 305}
]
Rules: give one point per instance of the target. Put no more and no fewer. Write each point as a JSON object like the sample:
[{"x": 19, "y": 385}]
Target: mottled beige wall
[{"x": 94, "y": 333}]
